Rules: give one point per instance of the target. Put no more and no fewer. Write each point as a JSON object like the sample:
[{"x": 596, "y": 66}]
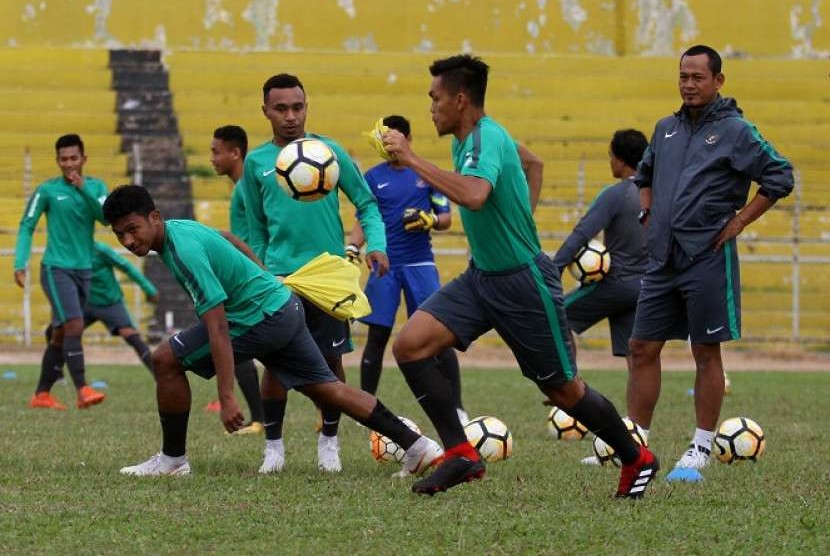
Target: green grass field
[{"x": 60, "y": 491}]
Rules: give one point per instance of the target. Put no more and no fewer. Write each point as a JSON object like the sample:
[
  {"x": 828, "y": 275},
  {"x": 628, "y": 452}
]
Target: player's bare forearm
[
  {"x": 242, "y": 246},
  {"x": 645, "y": 198},
  {"x": 467, "y": 191},
  {"x": 444, "y": 221},
  {"x": 533, "y": 168},
  {"x": 356, "y": 236},
  {"x": 221, "y": 351}
]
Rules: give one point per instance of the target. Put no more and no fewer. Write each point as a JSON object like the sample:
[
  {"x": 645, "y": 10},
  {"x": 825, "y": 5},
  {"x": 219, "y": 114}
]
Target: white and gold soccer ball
[
  {"x": 384, "y": 449},
  {"x": 739, "y": 439},
  {"x": 307, "y": 169},
  {"x": 606, "y": 454},
  {"x": 591, "y": 263},
  {"x": 564, "y": 427},
  {"x": 490, "y": 437}
]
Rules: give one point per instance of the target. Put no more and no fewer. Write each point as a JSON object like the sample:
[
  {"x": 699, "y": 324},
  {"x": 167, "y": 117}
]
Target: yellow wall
[{"x": 650, "y": 27}]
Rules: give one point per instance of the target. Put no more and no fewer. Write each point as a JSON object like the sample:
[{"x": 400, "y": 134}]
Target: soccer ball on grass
[
  {"x": 606, "y": 453},
  {"x": 739, "y": 439},
  {"x": 307, "y": 169},
  {"x": 490, "y": 437},
  {"x": 384, "y": 449},
  {"x": 563, "y": 426}
]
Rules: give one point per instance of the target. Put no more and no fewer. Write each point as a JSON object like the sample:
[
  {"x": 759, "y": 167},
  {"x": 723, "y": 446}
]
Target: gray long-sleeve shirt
[
  {"x": 614, "y": 212},
  {"x": 700, "y": 176}
]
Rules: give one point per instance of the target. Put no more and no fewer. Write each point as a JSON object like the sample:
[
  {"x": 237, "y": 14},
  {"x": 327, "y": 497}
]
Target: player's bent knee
[{"x": 165, "y": 362}]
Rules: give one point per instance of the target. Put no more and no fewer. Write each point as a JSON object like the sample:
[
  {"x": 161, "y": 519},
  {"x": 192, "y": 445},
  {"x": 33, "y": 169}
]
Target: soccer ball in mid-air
[
  {"x": 591, "y": 263},
  {"x": 739, "y": 439},
  {"x": 490, "y": 437},
  {"x": 384, "y": 449},
  {"x": 563, "y": 426},
  {"x": 307, "y": 169},
  {"x": 606, "y": 453}
]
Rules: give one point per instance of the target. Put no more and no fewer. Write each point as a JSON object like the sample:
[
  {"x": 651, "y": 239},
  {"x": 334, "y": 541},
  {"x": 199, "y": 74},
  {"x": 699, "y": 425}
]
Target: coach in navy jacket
[{"x": 694, "y": 182}]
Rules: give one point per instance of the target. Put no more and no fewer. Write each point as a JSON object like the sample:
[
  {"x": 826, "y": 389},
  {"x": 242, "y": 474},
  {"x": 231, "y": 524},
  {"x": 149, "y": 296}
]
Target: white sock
[
  {"x": 173, "y": 460},
  {"x": 462, "y": 416},
  {"x": 274, "y": 445},
  {"x": 645, "y": 433},
  {"x": 704, "y": 438},
  {"x": 419, "y": 445}
]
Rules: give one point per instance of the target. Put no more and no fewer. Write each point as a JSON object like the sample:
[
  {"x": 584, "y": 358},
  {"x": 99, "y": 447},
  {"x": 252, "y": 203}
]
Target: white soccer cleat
[
  {"x": 273, "y": 458},
  {"x": 696, "y": 457},
  {"x": 159, "y": 465},
  {"x": 590, "y": 460},
  {"x": 421, "y": 456},
  {"x": 328, "y": 454}
]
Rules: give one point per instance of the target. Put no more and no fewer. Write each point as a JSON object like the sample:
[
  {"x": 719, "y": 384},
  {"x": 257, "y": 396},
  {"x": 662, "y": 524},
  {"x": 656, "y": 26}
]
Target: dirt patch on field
[{"x": 787, "y": 358}]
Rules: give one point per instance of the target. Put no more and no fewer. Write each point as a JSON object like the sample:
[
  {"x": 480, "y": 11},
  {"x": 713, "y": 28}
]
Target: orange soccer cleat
[
  {"x": 45, "y": 400},
  {"x": 88, "y": 396}
]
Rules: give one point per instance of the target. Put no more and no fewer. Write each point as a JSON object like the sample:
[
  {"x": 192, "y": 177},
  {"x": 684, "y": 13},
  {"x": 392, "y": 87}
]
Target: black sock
[
  {"x": 435, "y": 395},
  {"x": 174, "y": 433},
  {"x": 73, "y": 354},
  {"x": 597, "y": 413},
  {"x": 448, "y": 366},
  {"x": 385, "y": 422},
  {"x": 51, "y": 368},
  {"x": 274, "y": 412},
  {"x": 371, "y": 364},
  {"x": 246, "y": 377},
  {"x": 331, "y": 420},
  {"x": 141, "y": 349}
]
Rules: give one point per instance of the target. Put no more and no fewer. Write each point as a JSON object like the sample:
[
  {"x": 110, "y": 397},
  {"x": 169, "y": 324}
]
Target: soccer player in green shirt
[
  {"x": 510, "y": 286},
  {"x": 106, "y": 303},
  {"x": 72, "y": 204},
  {"x": 286, "y": 234},
  {"x": 227, "y": 154},
  {"x": 244, "y": 314}
]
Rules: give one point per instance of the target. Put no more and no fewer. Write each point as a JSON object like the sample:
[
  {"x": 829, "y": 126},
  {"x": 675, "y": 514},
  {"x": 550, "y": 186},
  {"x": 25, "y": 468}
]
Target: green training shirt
[
  {"x": 213, "y": 271},
  {"x": 70, "y": 223},
  {"x": 104, "y": 289},
  {"x": 284, "y": 233},
  {"x": 238, "y": 219},
  {"x": 502, "y": 233}
]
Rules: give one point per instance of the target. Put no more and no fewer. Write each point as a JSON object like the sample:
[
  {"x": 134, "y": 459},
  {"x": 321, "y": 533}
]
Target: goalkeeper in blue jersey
[{"x": 410, "y": 209}]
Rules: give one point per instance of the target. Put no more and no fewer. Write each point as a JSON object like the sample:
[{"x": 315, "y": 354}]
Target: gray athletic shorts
[
  {"x": 114, "y": 317},
  {"x": 331, "y": 335},
  {"x": 701, "y": 302},
  {"x": 281, "y": 342},
  {"x": 67, "y": 291},
  {"x": 524, "y": 305},
  {"x": 615, "y": 300}
]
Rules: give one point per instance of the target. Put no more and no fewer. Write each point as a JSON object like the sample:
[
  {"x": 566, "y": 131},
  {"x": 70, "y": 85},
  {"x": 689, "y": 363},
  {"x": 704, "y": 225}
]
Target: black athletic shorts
[{"x": 615, "y": 300}]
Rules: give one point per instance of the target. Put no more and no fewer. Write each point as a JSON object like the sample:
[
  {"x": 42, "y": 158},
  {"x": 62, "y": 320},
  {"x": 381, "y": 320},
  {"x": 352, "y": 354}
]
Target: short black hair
[
  {"x": 281, "y": 81},
  {"x": 234, "y": 135},
  {"x": 629, "y": 145},
  {"x": 126, "y": 200},
  {"x": 715, "y": 62},
  {"x": 69, "y": 140},
  {"x": 463, "y": 72},
  {"x": 398, "y": 122}
]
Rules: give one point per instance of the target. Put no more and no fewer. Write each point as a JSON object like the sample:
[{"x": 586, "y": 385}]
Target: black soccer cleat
[
  {"x": 449, "y": 473},
  {"x": 635, "y": 477}
]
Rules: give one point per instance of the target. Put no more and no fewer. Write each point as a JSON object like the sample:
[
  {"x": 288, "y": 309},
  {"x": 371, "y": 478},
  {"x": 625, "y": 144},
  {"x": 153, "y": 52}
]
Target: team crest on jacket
[
  {"x": 419, "y": 183},
  {"x": 712, "y": 139}
]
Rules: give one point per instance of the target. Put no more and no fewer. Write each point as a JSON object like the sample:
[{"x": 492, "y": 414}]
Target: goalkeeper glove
[
  {"x": 375, "y": 138},
  {"x": 417, "y": 220},
  {"x": 353, "y": 253}
]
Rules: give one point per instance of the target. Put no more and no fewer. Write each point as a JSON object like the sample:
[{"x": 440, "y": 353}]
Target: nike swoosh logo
[
  {"x": 62, "y": 197},
  {"x": 267, "y": 173},
  {"x": 670, "y": 135},
  {"x": 337, "y": 344},
  {"x": 382, "y": 185},
  {"x": 269, "y": 424},
  {"x": 176, "y": 339},
  {"x": 718, "y": 329}
]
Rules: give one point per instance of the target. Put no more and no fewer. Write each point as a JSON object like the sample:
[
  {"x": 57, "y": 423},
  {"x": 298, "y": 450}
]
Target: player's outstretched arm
[
  {"x": 221, "y": 351},
  {"x": 468, "y": 191}
]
